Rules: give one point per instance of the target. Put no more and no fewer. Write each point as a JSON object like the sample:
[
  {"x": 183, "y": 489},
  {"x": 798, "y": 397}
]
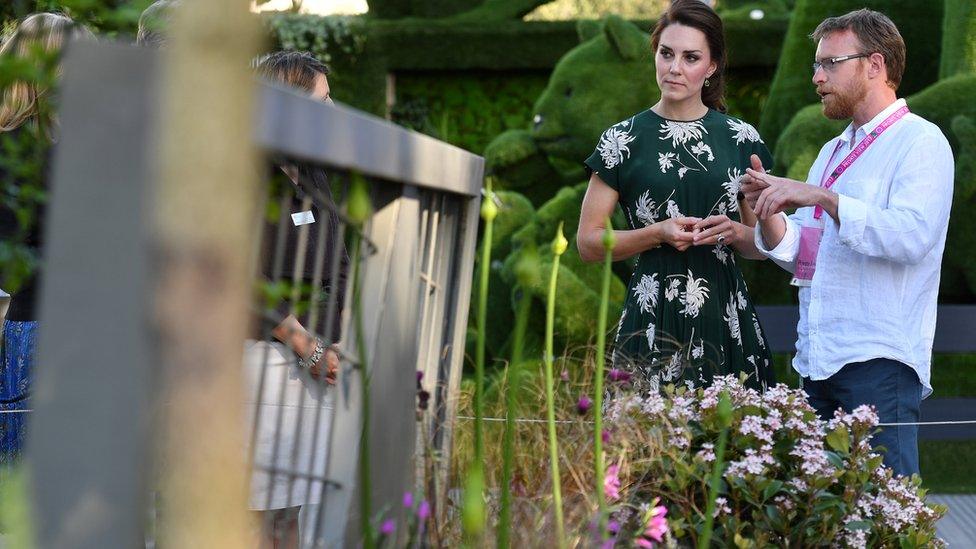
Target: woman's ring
[{"x": 721, "y": 239}]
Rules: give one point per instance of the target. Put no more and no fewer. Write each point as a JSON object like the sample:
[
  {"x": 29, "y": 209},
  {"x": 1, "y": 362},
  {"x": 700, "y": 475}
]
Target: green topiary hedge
[
  {"x": 920, "y": 23},
  {"x": 468, "y": 108},
  {"x": 959, "y": 38},
  {"x": 395, "y": 9},
  {"x": 364, "y": 50}
]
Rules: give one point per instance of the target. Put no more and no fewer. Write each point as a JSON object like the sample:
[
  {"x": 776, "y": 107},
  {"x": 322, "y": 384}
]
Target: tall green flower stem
[
  {"x": 523, "y": 272},
  {"x": 358, "y": 210},
  {"x": 473, "y": 518},
  {"x": 725, "y": 419},
  {"x": 559, "y": 245},
  {"x": 609, "y": 240}
]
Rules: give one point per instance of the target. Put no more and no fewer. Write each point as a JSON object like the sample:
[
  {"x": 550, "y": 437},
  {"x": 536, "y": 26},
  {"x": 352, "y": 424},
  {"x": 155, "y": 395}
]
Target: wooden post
[{"x": 205, "y": 211}]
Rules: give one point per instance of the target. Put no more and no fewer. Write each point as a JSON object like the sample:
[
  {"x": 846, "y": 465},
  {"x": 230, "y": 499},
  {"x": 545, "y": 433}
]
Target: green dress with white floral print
[{"x": 688, "y": 315}]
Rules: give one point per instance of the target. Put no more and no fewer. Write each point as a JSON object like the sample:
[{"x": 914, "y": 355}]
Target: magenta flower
[
  {"x": 583, "y": 405},
  {"x": 611, "y": 483},
  {"x": 388, "y": 527},
  {"x": 407, "y": 499},
  {"x": 617, "y": 375},
  {"x": 605, "y": 436},
  {"x": 423, "y": 512},
  {"x": 656, "y": 527}
]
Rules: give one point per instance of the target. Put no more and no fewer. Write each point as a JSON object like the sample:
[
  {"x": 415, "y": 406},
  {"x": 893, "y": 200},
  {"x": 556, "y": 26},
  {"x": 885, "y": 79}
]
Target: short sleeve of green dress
[{"x": 687, "y": 316}]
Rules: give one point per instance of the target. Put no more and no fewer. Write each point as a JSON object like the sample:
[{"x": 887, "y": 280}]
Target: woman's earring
[{"x": 707, "y": 83}]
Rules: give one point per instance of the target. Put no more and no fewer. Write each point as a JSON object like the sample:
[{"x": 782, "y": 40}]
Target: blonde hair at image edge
[{"x": 44, "y": 32}]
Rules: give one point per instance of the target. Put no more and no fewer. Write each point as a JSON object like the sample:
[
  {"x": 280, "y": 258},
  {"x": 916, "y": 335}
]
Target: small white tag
[{"x": 302, "y": 218}]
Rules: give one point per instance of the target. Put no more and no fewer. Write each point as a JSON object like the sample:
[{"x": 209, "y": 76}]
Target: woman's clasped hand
[
  {"x": 683, "y": 232},
  {"x": 679, "y": 232}
]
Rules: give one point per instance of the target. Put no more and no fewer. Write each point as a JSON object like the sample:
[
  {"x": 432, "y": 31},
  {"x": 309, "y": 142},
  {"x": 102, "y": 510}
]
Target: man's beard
[{"x": 840, "y": 104}]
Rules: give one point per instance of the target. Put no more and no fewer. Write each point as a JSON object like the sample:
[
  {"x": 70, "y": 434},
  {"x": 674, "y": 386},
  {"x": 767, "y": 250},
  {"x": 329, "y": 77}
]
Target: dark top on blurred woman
[
  {"x": 23, "y": 177},
  {"x": 302, "y": 71}
]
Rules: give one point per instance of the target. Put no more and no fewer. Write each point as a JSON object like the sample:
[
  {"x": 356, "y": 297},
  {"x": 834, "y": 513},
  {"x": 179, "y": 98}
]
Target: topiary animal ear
[
  {"x": 587, "y": 28},
  {"x": 625, "y": 37}
]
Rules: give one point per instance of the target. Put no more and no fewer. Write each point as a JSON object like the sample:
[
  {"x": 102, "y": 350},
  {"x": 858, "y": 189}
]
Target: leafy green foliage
[
  {"x": 105, "y": 17},
  {"x": 327, "y": 37}
]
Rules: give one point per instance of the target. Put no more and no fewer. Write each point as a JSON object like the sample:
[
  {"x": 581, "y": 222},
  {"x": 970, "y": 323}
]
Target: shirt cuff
[
  {"x": 852, "y": 215},
  {"x": 788, "y": 246}
]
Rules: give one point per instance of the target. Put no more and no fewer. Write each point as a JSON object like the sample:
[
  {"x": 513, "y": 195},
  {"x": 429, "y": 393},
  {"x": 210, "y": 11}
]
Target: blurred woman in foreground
[{"x": 28, "y": 129}]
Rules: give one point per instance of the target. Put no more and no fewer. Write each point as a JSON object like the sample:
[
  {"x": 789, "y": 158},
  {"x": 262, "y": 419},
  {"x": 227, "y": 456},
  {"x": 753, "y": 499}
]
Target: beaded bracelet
[{"x": 312, "y": 360}]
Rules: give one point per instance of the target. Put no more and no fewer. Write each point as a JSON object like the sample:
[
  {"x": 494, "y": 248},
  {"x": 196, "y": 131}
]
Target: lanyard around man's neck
[{"x": 827, "y": 181}]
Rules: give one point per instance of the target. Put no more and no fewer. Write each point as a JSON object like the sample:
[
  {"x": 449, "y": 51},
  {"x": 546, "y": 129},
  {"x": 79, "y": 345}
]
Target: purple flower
[
  {"x": 605, "y": 436},
  {"x": 583, "y": 405},
  {"x": 518, "y": 489},
  {"x": 407, "y": 499},
  {"x": 611, "y": 483},
  {"x": 616, "y": 375},
  {"x": 423, "y": 512},
  {"x": 613, "y": 526},
  {"x": 388, "y": 527}
]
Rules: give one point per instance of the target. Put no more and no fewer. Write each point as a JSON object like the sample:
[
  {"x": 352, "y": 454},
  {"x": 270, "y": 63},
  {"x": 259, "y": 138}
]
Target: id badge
[
  {"x": 806, "y": 258},
  {"x": 302, "y": 218}
]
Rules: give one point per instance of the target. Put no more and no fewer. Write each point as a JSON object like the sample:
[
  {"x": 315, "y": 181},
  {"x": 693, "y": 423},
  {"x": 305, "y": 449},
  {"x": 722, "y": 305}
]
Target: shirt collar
[{"x": 849, "y": 132}]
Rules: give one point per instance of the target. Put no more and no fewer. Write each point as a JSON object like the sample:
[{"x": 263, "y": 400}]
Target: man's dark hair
[
  {"x": 876, "y": 33},
  {"x": 154, "y": 23},
  {"x": 295, "y": 68}
]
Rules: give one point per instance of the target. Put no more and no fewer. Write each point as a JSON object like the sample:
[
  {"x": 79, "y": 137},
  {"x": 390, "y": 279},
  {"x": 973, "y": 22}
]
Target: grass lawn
[{"x": 948, "y": 466}]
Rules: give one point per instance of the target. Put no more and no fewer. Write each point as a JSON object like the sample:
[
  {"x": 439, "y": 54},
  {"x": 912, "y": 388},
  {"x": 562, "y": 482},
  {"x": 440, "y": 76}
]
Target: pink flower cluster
[
  {"x": 775, "y": 440},
  {"x": 752, "y": 463},
  {"x": 611, "y": 483},
  {"x": 656, "y": 526}
]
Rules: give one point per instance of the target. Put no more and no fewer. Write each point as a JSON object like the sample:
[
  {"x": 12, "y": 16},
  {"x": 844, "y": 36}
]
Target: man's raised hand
[{"x": 752, "y": 187}]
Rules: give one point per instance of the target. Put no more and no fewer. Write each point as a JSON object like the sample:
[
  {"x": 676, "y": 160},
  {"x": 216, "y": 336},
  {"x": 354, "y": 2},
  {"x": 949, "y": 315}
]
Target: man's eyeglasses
[{"x": 829, "y": 64}]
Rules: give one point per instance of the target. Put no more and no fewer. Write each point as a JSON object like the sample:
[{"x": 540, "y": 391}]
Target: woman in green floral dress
[{"x": 674, "y": 169}]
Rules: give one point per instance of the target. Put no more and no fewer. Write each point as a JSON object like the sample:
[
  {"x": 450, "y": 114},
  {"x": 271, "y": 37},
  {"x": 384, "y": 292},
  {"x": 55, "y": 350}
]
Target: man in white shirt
[{"x": 865, "y": 244}]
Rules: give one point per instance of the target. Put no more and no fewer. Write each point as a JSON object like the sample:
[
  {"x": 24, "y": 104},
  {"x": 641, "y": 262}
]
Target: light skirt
[{"x": 293, "y": 416}]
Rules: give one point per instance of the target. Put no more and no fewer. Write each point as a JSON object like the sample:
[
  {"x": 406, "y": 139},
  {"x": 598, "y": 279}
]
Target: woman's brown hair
[{"x": 698, "y": 15}]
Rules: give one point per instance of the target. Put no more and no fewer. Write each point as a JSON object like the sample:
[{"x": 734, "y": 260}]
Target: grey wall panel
[{"x": 89, "y": 449}]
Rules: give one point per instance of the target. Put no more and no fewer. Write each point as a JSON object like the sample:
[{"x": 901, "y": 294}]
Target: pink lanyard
[{"x": 828, "y": 181}]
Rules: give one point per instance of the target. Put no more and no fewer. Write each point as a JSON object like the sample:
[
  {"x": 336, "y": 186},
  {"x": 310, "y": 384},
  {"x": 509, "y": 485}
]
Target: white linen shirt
[{"x": 875, "y": 288}]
